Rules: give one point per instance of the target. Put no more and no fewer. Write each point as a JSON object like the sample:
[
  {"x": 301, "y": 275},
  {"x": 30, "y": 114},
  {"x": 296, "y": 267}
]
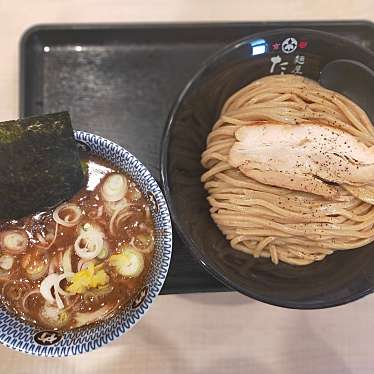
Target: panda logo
[
  {"x": 289, "y": 45},
  {"x": 47, "y": 337}
]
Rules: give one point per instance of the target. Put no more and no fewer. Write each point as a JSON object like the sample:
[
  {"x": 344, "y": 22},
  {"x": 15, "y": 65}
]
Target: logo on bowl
[
  {"x": 152, "y": 200},
  {"x": 275, "y": 61},
  {"x": 140, "y": 297},
  {"x": 47, "y": 337},
  {"x": 289, "y": 45}
]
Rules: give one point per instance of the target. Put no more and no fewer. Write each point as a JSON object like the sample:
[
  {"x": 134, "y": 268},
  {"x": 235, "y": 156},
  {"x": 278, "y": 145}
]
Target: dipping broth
[{"x": 82, "y": 261}]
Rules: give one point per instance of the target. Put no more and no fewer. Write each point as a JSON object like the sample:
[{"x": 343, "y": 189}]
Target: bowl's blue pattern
[{"x": 24, "y": 337}]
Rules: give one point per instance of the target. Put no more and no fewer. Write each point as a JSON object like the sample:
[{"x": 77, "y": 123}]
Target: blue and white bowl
[{"x": 24, "y": 337}]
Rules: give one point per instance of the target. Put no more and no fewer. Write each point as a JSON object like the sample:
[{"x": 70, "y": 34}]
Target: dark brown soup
[{"x": 83, "y": 260}]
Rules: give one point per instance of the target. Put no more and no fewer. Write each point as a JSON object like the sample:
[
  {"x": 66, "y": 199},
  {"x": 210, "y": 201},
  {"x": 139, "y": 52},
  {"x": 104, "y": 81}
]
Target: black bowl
[{"x": 338, "y": 279}]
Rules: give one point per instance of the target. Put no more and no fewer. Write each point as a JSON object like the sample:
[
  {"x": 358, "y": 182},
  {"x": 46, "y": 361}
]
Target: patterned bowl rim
[{"x": 154, "y": 287}]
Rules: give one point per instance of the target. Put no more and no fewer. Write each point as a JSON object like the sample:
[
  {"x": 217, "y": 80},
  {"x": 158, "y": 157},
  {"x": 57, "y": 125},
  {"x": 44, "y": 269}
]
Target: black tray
[{"x": 119, "y": 81}]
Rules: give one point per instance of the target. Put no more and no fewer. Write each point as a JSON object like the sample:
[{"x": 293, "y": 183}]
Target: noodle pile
[{"x": 272, "y": 222}]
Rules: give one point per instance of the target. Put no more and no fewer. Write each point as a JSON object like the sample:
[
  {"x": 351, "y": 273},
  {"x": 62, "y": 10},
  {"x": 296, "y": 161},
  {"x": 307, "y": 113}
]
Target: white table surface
[{"x": 200, "y": 333}]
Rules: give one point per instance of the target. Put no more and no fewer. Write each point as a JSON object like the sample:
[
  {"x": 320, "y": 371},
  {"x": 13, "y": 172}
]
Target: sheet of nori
[{"x": 39, "y": 164}]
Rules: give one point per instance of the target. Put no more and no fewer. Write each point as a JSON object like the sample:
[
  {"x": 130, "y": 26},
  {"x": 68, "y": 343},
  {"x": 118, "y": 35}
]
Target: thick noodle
[{"x": 272, "y": 222}]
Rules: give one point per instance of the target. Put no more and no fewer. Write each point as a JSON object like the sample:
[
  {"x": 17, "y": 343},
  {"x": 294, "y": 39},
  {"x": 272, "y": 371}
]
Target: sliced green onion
[
  {"x": 36, "y": 266},
  {"x": 6, "y": 262},
  {"x": 104, "y": 252},
  {"x": 66, "y": 260},
  {"x": 14, "y": 241},
  {"x": 53, "y": 316},
  {"x": 129, "y": 263},
  {"x": 114, "y": 187},
  {"x": 84, "y": 166}
]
